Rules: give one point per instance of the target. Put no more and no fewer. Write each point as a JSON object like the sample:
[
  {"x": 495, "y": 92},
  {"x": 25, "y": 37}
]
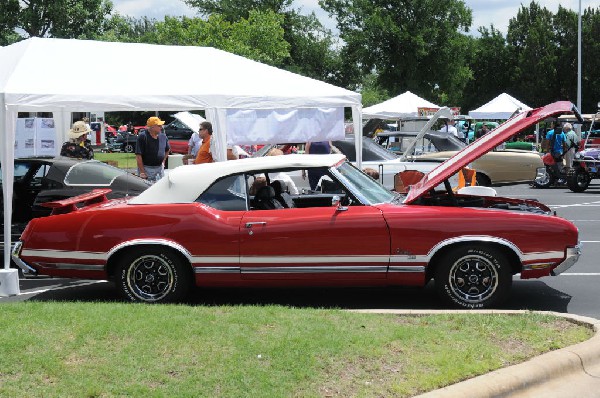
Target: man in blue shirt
[
  {"x": 151, "y": 150},
  {"x": 556, "y": 143}
]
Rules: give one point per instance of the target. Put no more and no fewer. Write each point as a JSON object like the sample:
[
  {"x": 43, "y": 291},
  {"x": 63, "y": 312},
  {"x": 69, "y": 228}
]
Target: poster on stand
[
  {"x": 35, "y": 137},
  {"x": 25, "y": 138},
  {"x": 45, "y": 140}
]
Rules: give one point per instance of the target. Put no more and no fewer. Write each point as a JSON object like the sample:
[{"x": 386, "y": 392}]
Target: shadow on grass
[{"x": 525, "y": 295}]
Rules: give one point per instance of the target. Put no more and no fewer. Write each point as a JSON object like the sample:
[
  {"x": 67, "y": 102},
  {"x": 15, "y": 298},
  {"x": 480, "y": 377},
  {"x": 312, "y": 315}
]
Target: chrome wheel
[
  {"x": 153, "y": 275},
  {"x": 150, "y": 278},
  {"x": 473, "y": 279}
]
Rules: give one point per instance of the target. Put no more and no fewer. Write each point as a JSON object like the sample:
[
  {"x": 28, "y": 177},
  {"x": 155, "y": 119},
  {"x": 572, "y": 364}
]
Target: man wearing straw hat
[{"x": 78, "y": 145}]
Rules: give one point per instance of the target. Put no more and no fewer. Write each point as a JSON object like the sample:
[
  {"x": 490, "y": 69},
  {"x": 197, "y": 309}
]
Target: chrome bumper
[
  {"x": 16, "y": 251},
  {"x": 573, "y": 254}
]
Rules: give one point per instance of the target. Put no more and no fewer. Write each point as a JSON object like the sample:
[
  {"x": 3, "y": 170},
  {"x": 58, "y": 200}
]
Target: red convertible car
[{"x": 233, "y": 224}]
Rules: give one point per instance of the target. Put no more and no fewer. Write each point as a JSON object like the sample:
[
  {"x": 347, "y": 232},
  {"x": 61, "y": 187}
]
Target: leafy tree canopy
[{"x": 411, "y": 44}]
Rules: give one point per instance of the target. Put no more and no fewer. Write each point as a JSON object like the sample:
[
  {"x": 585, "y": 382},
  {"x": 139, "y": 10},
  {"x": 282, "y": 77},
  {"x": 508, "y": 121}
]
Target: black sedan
[
  {"x": 123, "y": 142},
  {"x": 40, "y": 180}
]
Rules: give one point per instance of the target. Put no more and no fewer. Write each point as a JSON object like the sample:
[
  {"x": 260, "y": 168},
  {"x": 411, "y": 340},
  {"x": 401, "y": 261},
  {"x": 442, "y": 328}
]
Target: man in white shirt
[
  {"x": 194, "y": 144},
  {"x": 449, "y": 128}
]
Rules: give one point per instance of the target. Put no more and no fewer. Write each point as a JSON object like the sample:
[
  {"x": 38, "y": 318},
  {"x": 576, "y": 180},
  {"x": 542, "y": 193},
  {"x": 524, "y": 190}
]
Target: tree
[
  {"x": 9, "y": 11},
  {"x": 128, "y": 29},
  {"x": 60, "y": 18},
  {"x": 490, "y": 63},
  {"x": 260, "y": 37},
  {"x": 310, "y": 43},
  {"x": 590, "y": 81},
  {"x": 410, "y": 44},
  {"x": 532, "y": 45}
]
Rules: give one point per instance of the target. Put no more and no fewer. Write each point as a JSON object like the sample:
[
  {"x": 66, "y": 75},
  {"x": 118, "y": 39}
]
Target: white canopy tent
[
  {"x": 63, "y": 76},
  {"x": 502, "y": 107},
  {"x": 403, "y": 106}
]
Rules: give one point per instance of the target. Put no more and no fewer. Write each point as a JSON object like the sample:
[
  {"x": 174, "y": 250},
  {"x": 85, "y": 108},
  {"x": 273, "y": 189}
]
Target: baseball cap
[{"x": 154, "y": 121}]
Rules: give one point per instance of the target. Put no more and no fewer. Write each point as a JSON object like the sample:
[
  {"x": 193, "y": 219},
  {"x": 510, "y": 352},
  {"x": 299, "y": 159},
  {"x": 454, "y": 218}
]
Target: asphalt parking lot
[{"x": 574, "y": 292}]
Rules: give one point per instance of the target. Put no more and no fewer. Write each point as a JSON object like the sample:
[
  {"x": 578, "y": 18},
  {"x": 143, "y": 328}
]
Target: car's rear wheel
[
  {"x": 473, "y": 277},
  {"x": 152, "y": 275},
  {"x": 129, "y": 148},
  {"x": 578, "y": 179}
]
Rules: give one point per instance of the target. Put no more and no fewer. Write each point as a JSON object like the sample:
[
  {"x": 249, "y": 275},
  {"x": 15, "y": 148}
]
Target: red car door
[{"x": 319, "y": 243}]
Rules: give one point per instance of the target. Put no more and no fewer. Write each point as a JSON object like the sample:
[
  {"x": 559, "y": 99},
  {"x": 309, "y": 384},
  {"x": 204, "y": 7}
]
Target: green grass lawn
[
  {"x": 124, "y": 160},
  {"x": 107, "y": 350}
]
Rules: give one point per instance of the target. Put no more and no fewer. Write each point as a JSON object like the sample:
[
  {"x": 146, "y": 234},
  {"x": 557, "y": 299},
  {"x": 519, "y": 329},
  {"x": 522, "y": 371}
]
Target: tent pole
[{"x": 9, "y": 278}]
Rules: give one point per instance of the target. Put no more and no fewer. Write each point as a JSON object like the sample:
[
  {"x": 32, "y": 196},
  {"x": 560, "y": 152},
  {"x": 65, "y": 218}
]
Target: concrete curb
[{"x": 571, "y": 371}]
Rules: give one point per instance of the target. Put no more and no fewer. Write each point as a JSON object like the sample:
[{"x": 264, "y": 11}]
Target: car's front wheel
[
  {"x": 128, "y": 148},
  {"x": 578, "y": 179},
  {"x": 473, "y": 277},
  {"x": 152, "y": 275}
]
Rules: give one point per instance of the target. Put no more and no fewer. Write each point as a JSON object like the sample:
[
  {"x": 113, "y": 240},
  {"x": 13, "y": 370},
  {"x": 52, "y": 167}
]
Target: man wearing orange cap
[{"x": 151, "y": 150}]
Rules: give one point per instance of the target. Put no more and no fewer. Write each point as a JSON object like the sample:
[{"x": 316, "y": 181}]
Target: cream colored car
[{"x": 501, "y": 166}]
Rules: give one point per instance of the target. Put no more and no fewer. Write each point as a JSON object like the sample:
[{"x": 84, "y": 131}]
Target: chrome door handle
[{"x": 250, "y": 224}]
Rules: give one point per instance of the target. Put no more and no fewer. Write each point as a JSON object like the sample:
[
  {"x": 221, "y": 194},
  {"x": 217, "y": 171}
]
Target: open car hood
[
  {"x": 487, "y": 143},
  {"x": 191, "y": 120}
]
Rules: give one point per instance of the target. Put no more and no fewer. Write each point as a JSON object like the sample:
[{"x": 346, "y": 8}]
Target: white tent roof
[
  {"x": 501, "y": 107},
  {"x": 403, "y": 106},
  {"x": 63, "y": 76},
  {"x": 55, "y": 73}
]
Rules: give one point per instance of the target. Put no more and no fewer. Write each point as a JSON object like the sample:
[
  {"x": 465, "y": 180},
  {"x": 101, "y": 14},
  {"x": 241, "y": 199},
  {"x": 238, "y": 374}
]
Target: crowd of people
[{"x": 152, "y": 148}]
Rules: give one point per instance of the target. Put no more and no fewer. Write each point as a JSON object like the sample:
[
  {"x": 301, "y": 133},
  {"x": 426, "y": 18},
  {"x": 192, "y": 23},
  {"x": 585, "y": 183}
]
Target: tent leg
[{"x": 9, "y": 282}]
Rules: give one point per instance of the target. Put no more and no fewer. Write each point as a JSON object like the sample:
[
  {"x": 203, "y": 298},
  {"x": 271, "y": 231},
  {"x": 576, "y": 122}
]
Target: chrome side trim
[
  {"x": 396, "y": 268},
  {"x": 217, "y": 270},
  {"x": 313, "y": 270},
  {"x": 15, "y": 253},
  {"x": 475, "y": 238},
  {"x": 151, "y": 241},
  {"x": 78, "y": 267}
]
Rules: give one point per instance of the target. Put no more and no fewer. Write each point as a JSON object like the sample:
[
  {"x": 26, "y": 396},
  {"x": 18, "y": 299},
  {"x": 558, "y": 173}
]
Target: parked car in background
[
  {"x": 470, "y": 245},
  {"x": 180, "y": 130},
  {"x": 123, "y": 142},
  {"x": 41, "y": 180},
  {"x": 374, "y": 156},
  {"x": 500, "y": 166}
]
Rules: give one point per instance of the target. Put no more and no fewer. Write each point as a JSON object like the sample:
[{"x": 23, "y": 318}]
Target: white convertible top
[{"x": 185, "y": 183}]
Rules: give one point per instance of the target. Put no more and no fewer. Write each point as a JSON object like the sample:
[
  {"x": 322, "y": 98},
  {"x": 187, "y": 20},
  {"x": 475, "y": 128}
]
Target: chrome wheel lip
[
  {"x": 150, "y": 278},
  {"x": 473, "y": 279}
]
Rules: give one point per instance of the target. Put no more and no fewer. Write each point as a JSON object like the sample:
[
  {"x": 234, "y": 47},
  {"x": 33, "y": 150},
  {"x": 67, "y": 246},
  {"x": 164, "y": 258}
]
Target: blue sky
[{"x": 485, "y": 12}]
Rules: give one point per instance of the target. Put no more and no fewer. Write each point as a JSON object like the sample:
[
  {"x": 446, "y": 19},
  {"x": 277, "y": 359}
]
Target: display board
[{"x": 36, "y": 137}]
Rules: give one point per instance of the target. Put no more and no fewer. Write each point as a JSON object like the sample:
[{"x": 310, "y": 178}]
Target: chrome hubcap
[
  {"x": 473, "y": 279},
  {"x": 150, "y": 278}
]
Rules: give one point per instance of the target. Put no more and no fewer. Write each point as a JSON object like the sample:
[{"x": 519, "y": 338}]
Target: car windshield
[
  {"x": 371, "y": 151},
  {"x": 92, "y": 173},
  {"x": 362, "y": 186}
]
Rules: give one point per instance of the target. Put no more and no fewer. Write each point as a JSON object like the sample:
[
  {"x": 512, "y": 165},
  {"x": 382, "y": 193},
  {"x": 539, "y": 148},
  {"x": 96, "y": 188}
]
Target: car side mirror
[{"x": 336, "y": 201}]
